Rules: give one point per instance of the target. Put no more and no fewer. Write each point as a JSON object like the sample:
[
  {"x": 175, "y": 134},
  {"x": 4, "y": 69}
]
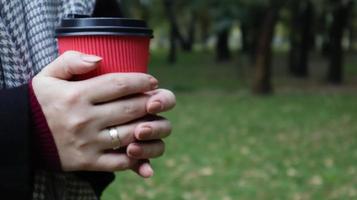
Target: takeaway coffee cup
[{"x": 122, "y": 43}]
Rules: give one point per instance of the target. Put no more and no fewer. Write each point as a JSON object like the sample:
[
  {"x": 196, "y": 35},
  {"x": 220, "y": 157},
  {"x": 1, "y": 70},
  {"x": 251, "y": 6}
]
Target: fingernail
[
  {"x": 155, "y": 107},
  {"x": 90, "y": 58},
  {"x": 145, "y": 132},
  {"x": 135, "y": 151},
  {"x": 154, "y": 83}
]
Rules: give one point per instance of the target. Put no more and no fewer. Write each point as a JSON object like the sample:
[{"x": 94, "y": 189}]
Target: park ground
[{"x": 299, "y": 143}]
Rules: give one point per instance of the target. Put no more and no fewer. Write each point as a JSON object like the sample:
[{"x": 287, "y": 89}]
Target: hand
[
  {"x": 79, "y": 112},
  {"x": 149, "y": 135},
  {"x": 140, "y": 140}
]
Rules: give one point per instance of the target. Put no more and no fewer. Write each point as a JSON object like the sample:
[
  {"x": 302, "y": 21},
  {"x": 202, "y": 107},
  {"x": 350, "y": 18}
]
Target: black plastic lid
[{"x": 79, "y": 25}]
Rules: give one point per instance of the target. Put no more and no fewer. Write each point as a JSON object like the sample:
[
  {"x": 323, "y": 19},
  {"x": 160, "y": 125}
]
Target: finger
[
  {"x": 111, "y": 162},
  {"x": 161, "y": 100},
  {"x": 126, "y": 132},
  {"x": 121, "y": 111},
  {"x": 153, "y": 130},
  {"x": 125, "y": 136},
  {"x": 112, "y": 86},
  {"x": 146, "y": 150},
  {"x": 71, "y": 63},
  {"x": 144, "y": 169}
]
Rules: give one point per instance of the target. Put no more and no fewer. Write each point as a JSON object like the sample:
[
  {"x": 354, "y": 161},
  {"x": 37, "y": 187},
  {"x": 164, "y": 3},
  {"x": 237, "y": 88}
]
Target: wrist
[{"x": 46, "y": 153}]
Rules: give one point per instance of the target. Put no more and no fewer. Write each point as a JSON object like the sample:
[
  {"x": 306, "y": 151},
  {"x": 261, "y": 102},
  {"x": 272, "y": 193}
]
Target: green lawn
[{"x": 300, "y": 143}]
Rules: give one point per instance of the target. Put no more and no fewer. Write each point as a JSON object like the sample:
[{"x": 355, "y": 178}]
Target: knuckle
[
  {"x": 119, "y": 84},
  {"x": 84, "y": 162},
  {"x": 68, "y": 58},
  {"x": 72, "y": 97},
  {"x": 123, "y": 165},
  {"x": 69, "y": 54},
  {"x": 149, "y": 80},
  {"x": 78, "y": 122},
  {"x": 131, "y": 109},
  {"x": 81, "y": 144}
]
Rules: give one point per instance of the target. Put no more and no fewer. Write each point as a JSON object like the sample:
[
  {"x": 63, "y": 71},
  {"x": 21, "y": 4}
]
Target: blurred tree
[
  {"x": 352, "y": 30},
  {"x": 132, "y": 8},
  {"x": 184, "y": 9},
  {"x": 183, "y": 15},
  {"x": 204, "y": 22},
  {"x": 250, "y": 19},
  {"x": 174, "y": 31},
  {"x": 262, "y": 76},
  {"x": 321, "y": 20},
  {"x": 341, "y": 11},
  {"x": 222, "y": 48},
  {"x": 224, "y": 13},
  {"x": 301, "y": 36}
]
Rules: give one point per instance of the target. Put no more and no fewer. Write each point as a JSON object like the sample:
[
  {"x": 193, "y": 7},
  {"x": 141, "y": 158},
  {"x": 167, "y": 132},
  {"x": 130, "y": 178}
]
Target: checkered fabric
[{"x": 27, "y": 44}]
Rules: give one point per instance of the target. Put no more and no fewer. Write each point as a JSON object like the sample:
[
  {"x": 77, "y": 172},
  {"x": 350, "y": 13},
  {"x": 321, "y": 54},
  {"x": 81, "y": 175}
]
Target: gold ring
[{"x": 114, "y": 135}]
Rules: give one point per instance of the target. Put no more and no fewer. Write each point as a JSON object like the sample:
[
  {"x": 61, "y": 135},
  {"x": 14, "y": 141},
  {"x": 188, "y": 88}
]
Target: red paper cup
[{"x": 122, "y": 43}]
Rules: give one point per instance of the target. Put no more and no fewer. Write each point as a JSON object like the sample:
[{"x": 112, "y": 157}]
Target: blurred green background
[{"x": 266, "y": 99}]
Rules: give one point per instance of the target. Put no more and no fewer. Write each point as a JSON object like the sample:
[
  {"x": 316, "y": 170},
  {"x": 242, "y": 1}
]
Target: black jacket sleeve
[{"x": 15, "y": 144}]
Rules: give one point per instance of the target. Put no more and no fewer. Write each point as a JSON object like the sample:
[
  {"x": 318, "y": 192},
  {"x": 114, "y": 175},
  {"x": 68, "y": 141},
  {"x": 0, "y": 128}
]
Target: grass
[{"x": 300, "y": 143}]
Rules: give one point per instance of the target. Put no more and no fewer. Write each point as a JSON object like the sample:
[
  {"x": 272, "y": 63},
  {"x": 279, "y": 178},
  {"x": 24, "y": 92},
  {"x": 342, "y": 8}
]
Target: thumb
[{"x": 71, "y": 63}]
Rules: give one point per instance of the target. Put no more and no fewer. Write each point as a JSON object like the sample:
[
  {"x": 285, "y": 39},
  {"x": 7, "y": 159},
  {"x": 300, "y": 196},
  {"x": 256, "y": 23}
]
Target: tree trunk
[
  {"x": 323, "y": 25},
  {"x": 187, "y": 45},
  {"x": 174, "y": 32},
  {"x": 294, "y": 37},
  {"x": 262, "y": 76},
  {"x": 172, "y": 58},
  {"x": 306, "y": 40},
  {"x": 204, "y": 27},
  {"x": 250, "y": 31},
  {"x": 222, "y": 47},
  {"x": 245, "y": 38},
  {"x": 351, "y": 38},
  {"x": 301, "y": 38},
  {"x": 339, "y": 24},
  {"x": 351, "y": 31}
]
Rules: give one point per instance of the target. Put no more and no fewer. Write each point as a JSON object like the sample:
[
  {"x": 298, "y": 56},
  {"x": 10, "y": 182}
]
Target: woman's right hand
[{"x": 79, "y": 112}]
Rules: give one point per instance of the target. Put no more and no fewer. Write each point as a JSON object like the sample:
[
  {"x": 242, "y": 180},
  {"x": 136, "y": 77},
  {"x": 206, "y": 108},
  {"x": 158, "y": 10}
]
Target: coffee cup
[{"x": 123, "y": 43}]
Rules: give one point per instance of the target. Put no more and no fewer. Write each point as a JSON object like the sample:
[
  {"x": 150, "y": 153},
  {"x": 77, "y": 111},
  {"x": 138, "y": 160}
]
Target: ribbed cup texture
[{"x": 119, "y": 53}]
